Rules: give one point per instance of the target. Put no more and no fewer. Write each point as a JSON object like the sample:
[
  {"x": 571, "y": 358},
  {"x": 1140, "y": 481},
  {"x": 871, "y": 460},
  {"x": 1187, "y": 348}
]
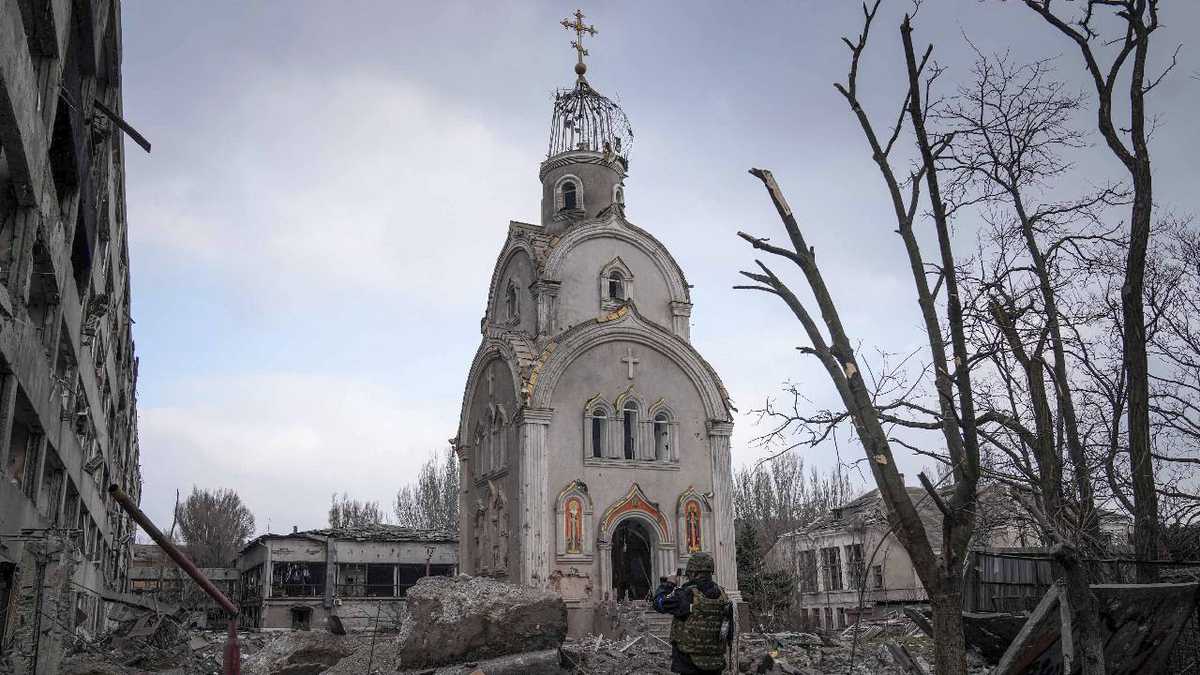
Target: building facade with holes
[
  {"x": 359, "y": 575},
  {"x": 593, "y": 437},
  {"x": 68, "y": 375}
]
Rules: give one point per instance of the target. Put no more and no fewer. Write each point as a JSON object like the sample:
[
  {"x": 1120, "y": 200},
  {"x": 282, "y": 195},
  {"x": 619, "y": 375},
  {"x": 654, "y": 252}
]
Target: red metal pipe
[{"x": 232, "y": 665}]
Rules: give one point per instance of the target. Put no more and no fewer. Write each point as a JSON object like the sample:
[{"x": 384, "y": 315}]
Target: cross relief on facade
[{"x": 630, "y": 361}]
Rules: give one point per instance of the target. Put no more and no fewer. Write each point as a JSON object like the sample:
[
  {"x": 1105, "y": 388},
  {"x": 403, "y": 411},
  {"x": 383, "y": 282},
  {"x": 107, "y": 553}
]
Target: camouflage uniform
[{"x": 698, "y": 608}]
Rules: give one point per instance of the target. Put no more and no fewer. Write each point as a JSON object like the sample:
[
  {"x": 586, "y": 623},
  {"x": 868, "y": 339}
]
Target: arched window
[
  {"x": 511, "y": 301},
  {"x": 480, "y": 452},
  {"x": 662, "y": 437},
  {"x": 616, "y": 285},
  {"x": 599, "y": 418},
  {"x": 497, "y": 440},
  {"x": 569, "y": 201},
  {"x": 630, "y": 412}
]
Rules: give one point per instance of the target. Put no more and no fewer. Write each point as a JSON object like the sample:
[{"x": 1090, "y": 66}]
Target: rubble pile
[
  {"x": 147, "y": 641},
  {"x": 882, "y": 653},
  {"x": 142, "y": 641},
  {"x": 462, "y": 623},
  {"x": 635, "y": 653},
  {"x": 300, "y": 653}
]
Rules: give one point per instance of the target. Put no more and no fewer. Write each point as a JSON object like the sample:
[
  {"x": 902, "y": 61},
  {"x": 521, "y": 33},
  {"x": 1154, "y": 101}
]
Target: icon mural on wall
[
  {"x": 692, "y": 519},
  {"x": 574, "y": 525}
]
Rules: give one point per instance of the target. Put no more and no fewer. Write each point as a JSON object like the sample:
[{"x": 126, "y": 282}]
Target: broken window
[
  {"x": 856, "y": 567},
  {"x": 252, "y": 582},
  {"x": 569, "y": 201},
  {"x": 616, "y": 285},
  {"x": 831, "y": 568},
  {"x": 877, "y": 577},
  {"x": 297, "y": 579},
  {"x": 511, "y": 301},
  {"x": 371, "y": 580},
  {"x": 599, "y": 418},
  {"x": 808, "y": 571},
  {"x": 408, "y": 575},
  {"x": 662, "y": 436},
  {"x": 630, "y": 412}
]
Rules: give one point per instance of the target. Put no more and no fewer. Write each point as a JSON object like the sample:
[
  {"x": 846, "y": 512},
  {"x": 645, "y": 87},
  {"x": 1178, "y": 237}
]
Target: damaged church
[{"x": 593, "y": 437}]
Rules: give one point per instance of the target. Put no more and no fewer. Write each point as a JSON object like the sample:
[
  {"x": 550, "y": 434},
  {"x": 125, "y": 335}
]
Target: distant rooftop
[{"x": 384, "y": 533}]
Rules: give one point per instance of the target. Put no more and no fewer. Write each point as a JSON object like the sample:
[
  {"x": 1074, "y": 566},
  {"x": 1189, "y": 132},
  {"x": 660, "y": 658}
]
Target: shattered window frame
[{"x": 297, "y": 579}]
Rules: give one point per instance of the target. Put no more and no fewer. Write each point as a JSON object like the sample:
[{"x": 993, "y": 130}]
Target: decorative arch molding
[
  {"x": 634, "y": 505},
  {"x": 630, "y": 394},
  {"x": 559, "y": 203},
  {"x": 618, "y": 228},
  {"x": 519, "y": 242},
  {"x": 664, "y": 435},
  {"x": 630, "y": 326},
  {"x": 574, "y": 524},
  {"x": 491, "y": 349},
  {"x": 607, "y": 299}
]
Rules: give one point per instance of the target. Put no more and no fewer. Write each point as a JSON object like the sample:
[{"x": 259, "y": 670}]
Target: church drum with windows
[{"x": 593, "y": 438}]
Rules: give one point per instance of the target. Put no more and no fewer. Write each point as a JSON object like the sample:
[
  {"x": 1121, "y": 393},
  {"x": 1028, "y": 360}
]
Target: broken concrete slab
[{"x": 458, "y": 619}]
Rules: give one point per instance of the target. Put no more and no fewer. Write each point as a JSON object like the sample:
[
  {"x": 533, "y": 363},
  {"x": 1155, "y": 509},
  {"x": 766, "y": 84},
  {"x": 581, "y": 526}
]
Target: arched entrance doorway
[{"x": 632, "y": 568}]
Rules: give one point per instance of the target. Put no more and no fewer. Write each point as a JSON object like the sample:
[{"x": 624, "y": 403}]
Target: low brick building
[{"x": 360, "y": 575}]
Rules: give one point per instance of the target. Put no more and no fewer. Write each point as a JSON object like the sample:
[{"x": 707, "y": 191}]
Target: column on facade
[
  {"x": 681, "y": 315},
  {"x": 465, "y": 543},
  {"x": 545, "y": 293},
  {"x": 535, "y": 509},
  {"x": 724, "y": 552}
]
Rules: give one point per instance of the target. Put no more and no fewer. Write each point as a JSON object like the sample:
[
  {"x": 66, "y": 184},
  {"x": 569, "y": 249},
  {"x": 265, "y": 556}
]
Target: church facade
[{"x": 593, "y": 438}]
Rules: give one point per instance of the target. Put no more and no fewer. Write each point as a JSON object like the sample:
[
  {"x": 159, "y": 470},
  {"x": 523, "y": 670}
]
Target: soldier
[{"x": 702, "y": 628}]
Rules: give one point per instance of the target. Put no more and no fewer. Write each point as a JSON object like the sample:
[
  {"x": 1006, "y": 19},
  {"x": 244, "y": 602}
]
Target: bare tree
[
  {"x": 432, "y": 500},
  {"x": 345, "y": 512},
  {"x": 779, "y": 496},
  {"x": 214, "y": 524},
  {"x": 940, "y": 571},
  {"x": 1012, "y": 128},
  {"x": 1128, "y": 140}
]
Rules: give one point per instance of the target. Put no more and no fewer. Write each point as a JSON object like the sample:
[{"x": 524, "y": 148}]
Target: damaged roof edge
[{"x": 380, "y": 533}]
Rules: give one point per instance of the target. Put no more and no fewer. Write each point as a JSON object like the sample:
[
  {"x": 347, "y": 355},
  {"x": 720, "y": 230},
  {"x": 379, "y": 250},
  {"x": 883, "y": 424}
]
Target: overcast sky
[{"x": 312, "y": 238}]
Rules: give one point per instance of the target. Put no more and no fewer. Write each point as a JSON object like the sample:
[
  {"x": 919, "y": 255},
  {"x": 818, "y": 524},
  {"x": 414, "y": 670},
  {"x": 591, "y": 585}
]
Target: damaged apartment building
[
  {"x": 358, "y": 574},
  {"x": 68, "y": 421}
]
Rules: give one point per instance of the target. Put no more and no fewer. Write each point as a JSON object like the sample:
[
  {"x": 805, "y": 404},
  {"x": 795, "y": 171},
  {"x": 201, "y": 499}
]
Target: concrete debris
[
  {"x": 302, "y": 653},
  {"x": 455, "y": 619}
]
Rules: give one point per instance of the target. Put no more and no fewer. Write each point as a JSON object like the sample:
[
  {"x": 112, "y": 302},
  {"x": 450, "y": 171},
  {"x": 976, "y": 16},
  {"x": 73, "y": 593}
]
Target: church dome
[{"x": 586, "y": 120}]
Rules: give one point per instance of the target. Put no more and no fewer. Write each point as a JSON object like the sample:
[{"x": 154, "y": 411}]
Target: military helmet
[{"x": 700, "y": 562}]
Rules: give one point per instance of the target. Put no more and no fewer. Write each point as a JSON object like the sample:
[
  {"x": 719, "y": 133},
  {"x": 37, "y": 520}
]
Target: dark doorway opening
[
  {"x": 632, "y": 571},
  {"x": 301, "y": 618}
]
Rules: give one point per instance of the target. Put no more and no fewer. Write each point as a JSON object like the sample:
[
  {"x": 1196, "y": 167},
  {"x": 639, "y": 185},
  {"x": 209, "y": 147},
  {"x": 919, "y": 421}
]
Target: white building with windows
[{"x": 593, "y": 438}]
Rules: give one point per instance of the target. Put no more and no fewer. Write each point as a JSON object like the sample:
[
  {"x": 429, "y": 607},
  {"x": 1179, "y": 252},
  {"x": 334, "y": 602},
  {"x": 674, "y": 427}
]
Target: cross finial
[{"x": 578, "y": 26}]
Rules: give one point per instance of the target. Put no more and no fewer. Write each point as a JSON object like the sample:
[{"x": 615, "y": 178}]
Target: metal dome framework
[{"x": 586, "y": 120}]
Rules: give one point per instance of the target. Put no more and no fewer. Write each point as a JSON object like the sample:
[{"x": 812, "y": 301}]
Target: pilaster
[
  {"x": 681, "y": 315},
  {"x": 465, "y": 535},
  {"x": 723, "y": 551},
  {"x": 535, "y": 511},
  {"x": 545, "y": 293}
]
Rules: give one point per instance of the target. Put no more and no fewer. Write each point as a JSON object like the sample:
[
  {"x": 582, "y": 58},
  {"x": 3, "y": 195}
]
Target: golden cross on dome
[{"x": 579, "y": 28}]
